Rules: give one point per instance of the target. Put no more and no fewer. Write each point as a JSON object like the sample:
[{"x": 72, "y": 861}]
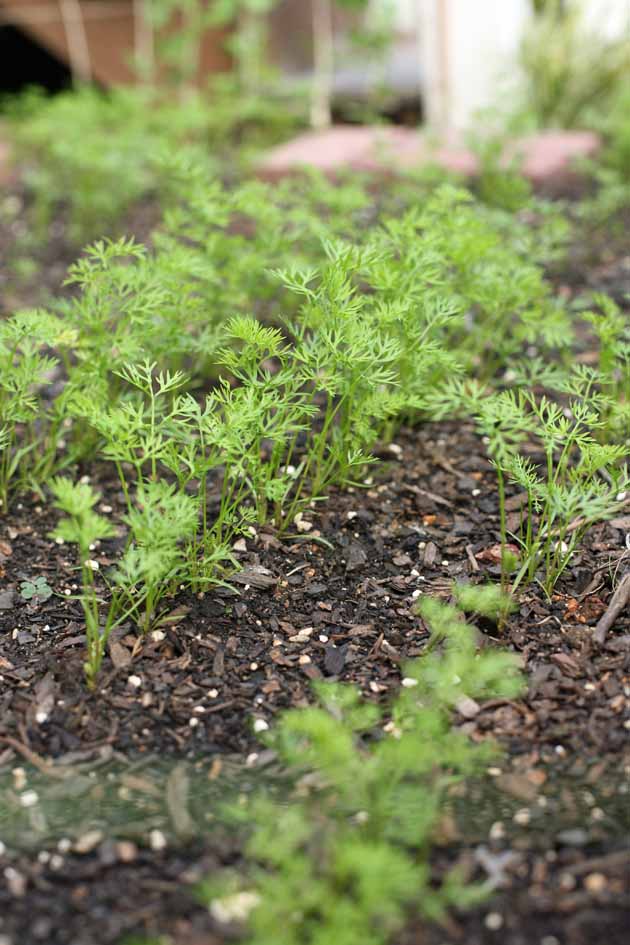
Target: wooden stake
[
  {"x": 76, "y": 40},
  {"x": 323, "y": 63},
  {"x": 144, "y": 39}
]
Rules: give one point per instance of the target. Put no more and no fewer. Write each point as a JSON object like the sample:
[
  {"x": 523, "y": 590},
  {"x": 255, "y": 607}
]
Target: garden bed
[
  {"x": 340, "y": 609},
  {"x": 335, "y": 600}
]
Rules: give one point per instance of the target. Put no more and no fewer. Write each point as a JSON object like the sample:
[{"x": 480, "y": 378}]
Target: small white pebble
[
  {"x": 260, "y": 726},
  {"x": 497, "y": 831},
  {"x": 29, "y": 799},
  {"x": 409, "y": 682},
  {"x": 301, "y": 523},
  {"x": 199, "y": 709},
  {"x": 193, "y": 722},
  {"x": 92, "y": 564},
  {"x": 213, "y": 693},
  {"x": 304, "y": 660},
  {"x": 134, "y": 681},
  {"x": 493, "y": 921},
  {"x": 251, "y": 759},
  {"x": 157, "y": 636},
  {"x": 157, "y": 840},
  {"x": 522, "y": 816},
  {"x": 351, "y": 515},
  {"x": 323, "y": 638},
  {"x": 621, "y": 496},
  {"x": 476, "y": 492}
]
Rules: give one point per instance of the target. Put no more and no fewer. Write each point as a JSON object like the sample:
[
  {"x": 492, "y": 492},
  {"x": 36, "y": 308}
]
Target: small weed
[{"x": 37, "y": 589}]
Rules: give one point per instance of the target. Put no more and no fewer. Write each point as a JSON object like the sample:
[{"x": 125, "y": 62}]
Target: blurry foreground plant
[{"x": 346, "y": 859}]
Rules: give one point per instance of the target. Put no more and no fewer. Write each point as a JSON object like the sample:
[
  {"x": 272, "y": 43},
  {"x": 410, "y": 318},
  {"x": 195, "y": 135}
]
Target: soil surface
[{"x": 551, "y": 826}]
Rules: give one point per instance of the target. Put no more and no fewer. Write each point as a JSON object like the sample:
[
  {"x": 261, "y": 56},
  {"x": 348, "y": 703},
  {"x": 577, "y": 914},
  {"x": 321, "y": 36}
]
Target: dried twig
[
  {"x": 44, "y": 766},
  {"x": 617, "y": 603}
]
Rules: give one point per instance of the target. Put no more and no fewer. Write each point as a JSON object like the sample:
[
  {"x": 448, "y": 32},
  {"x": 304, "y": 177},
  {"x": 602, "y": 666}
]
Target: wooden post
[
  {"x": 144, "y": 39},
  {"x": 323, "y": 63},
  {"x": 76, "y": 40}
]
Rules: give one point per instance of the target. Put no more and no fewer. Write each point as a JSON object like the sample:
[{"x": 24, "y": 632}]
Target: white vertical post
[
  {"x": 434, "y": 52},
  {"x": 465, "y": 47}
]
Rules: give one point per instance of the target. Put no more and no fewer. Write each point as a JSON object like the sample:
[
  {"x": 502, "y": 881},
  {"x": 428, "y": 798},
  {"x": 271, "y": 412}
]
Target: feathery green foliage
[{"x": 347, "y": 859}]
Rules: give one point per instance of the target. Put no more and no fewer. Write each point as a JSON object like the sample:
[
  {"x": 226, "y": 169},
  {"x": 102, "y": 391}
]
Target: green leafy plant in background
[
  {"x": 98, "y": 182},
  {"x": 174, "y": 31},
  {"x": 346, "y": 859},
  {"x": 610, "y": 326},
  {"x": 249, "y": 40},
  {"x": 483, "y": 266},
  {"x": 124, "y": 133},
  {"x": 29, "y": 424},
  {"x": 569, "y": 67},
  {"x": 572, "y": 481},
  {"x": 609, "y": 169}
]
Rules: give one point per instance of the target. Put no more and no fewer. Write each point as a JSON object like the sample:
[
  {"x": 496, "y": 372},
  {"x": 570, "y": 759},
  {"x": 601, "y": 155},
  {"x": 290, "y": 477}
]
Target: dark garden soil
[{"x": 335, "y": 601}]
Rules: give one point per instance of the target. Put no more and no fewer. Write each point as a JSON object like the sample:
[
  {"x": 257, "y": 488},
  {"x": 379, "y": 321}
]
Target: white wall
[{"x": 468, "y": 51}]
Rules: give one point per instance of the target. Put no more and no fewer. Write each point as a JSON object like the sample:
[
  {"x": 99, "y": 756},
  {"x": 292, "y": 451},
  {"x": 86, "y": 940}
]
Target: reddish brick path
[{"x": 544, "y": 156}]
